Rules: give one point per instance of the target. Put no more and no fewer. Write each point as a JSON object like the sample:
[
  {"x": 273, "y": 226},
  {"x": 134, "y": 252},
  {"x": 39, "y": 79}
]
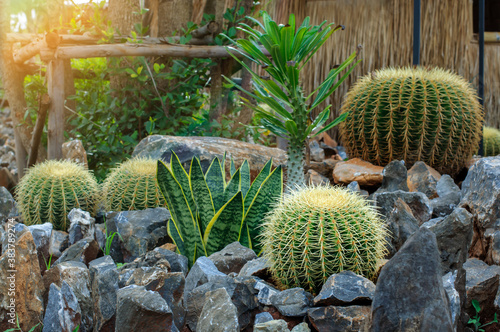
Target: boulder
[
  {"x": 340, "y": 319},
  {"x": 313, "y": 178},
  {"x": 141, "y": 232},
  {"x": 345, "y": 288},
  {"x": 232, "y": 258},
  {"x": 74, "y": 151},
  {"x": 449, "y": 280},
  {"x": 263, "y": 317},
  {"x": 63, "y": 311},
  {"x": 324, "y": 168},
  {"x": 448, "y": 197},
  {"x": 276, "y": 325},
  {"x": 82, "y": 225},
  {"x": 41, "y": 235},
  {"x": 219, "y": 314},
  {"x": 257, "y": 267},
  {"x": 292, "y": 302},
  {"x": 59, "y": 241},
  {"x": 316, "y": 152},
  {"x": 355, "y": 188},
  {"x": 419, "y": 204},
  {"x": 7, "y": 205},
  {"x": 266, "y": 292},
  {"x": 206, "y": 149},
  {"x": 203, "y": 271},
  {"x": 401, "y": 225},
  {"x": 302, "y": 327},
  {"x": 85, "y": 251},
  {"x": 410, "y": 295},
  {"x": 104, "y": 281},
  {"x": 394, "y": 177},
  {"x": 160, "y": 258},
  {"x": 423, "y": 178},
  {"x": 365, "y": 173}
]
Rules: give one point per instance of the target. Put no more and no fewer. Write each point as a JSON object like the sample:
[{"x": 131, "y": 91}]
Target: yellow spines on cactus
[
  {"x": 491, "y": 141},
  {"x": 49, "y": 191},
  {"x": 412, "y": 114},
  {"x": 132, "y": 186},
  {"x": 317, "y": 231}
]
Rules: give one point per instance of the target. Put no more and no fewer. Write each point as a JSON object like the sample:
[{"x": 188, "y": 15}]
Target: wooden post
[{"x": 55, "y": 81}]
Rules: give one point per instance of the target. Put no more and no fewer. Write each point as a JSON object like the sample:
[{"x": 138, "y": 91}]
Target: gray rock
[
  {"x": 277, "y": 325},
  {"x": 401, "y": 225},
  {"x": 59, "y": 241},
  {"x": 104, "y": 279},
  {"x": 410, "y": 295},
  {"x": 124, "y": 276},
  {"x": 454, "y": 237},
  {"x": 82, "y": 225},
  {"x": 75, "y": 275},
  {"x": 219, "y": 314},
  {"x": 453, "y": 297},
  {"x": 292, "y": 302},
  {"x": 317, "y": 153},
  {"x": 394, "y": 177},
  {"x": 449, "y": 196},
  {"x": 141, "y": 232},
  {"x": 432, "y": 222},
  {"x": 266, "y": 292},
  {"x": 63, "y": 311},
  {"x": 340, "y": 319},
  {"x": 203, "y": 271},
  {"x": 159, "y": 258},
  {"x": 263, "y": 317},
  {"x": 418, "y": 203},
  {"x": 232, "y": 258},
  {"x": 141, "y": 310},
  {"x": 482, "y": 283},
  {"x": 354, "y": 187},
  {"x": 493, "y": 238},
  {"x": 7, "y": 205},
  {"x": 302, "y": 327},
  {"x": 345, "y": 288},
  {"x": 100, "y": 235},
  {"x": 341, "y": 152},
  {"x": 258, "y": 267},
  {"x": 84, "y": 251},
  {"x": 41, "y": 235},
  {"x": 423, "y": 178},
  {"x": 313, "y": 178}
]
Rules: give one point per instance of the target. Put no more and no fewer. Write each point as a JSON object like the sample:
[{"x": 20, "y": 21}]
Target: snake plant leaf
[
  {"x": 225, "y": 226},
  {"x": 245, "y": 177},
  {"x": 182, "y": 177},
  {"x": 175, "y": 235},
  {"x": 270, "y": 190},
  {"x": 259, "y": 179},
  {"x": 201, "y": 194},
  {"x": 233, "y": 167},
  {"x": 233, "y": 186},
  {"x": 215, "y": 182}
]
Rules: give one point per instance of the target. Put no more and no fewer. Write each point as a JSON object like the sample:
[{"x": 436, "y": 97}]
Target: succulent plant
[
  {"x": 49, "y": 191},
  {"x": 491, "y": 141},
  {"x": 431, "y": 115},
  {"x": 132, "y": 186},
  {"x": 207, "y": 213},
  {"x": 317, "y": 231}
]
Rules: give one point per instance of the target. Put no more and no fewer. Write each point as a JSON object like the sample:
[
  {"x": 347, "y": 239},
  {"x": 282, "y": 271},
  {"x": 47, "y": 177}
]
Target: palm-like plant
[{"x": 289, "y": 50}]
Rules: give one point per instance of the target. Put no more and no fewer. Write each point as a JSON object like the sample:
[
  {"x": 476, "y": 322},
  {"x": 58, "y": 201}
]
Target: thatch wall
[{"x": 384, "y": 29}]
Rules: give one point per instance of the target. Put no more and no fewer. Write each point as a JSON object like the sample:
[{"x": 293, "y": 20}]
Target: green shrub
[
  {"x": 318, "y": 231},
  {"x": 208, "y": 213},
  {"x": 49, "y": 191},
  {"x": 409, "y": 114},
  {"x": 491, "y": 141}
]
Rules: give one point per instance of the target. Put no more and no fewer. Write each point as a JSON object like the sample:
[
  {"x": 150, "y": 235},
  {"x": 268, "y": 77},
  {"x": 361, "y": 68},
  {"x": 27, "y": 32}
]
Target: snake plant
[
  {"x": 207, "y": 213},
  {"x": 289, "y": 50}
]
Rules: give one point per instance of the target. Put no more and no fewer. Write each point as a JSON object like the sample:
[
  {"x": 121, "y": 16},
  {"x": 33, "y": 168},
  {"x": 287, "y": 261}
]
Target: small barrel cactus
[
  {"x": 317, "y": 231},
  {"x": 132, "y": 186},
  {"x": 491, "y": 141},
  {"x": 49, "y": 191},
  {"x": 431, "y": 115}
]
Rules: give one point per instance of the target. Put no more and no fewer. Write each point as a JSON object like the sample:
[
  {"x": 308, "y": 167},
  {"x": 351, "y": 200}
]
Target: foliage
[
  {"x": 318, "y": 231},
  {"x": 109, "y": 239},
  {"x": 48, "y": 264},
  {"x": 410, "y": 114},
  {"x": 475, "y": 321},
  {"x": 132, "y": 186},
  {"x": 290, "y": 50},
  {"x": 491, "y": 141},
  {"x": 49, "y": 191},
  {"x": 18, "y": 327},
  {"x": 208, "y": 213}
]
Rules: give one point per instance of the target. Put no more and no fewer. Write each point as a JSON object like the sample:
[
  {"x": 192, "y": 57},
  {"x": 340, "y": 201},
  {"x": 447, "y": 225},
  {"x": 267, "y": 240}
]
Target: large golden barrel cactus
[
  {"x": 413, "y": 114},
  {"x": 491, "y": 141}
]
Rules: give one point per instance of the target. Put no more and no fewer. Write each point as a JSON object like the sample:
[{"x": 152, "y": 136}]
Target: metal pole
[
  {"x": 416, "y": 32},
  {"x": 480, "y": 91}
]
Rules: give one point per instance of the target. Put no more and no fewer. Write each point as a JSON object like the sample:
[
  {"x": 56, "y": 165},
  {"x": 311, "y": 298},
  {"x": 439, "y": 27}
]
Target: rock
[
  {"x": 482, "y": 283},
  {"x": 340, "y": 319},
  {"x": 493, "y": 238},
  {"x": 449, "y": 196},
  {"x": 453, "y": 297},
  {"x": 7, "y": 180},
  {"x": 454, "y": 236},
  {"x": 263, "y": 317},
  {"x": 481, "y": 197},
  {"x": 292, "y": 302},
  {"x": 82, "y": 225},
  {"x": 419, "y": 204},
  {"x": 365, "y": 173},
  {"x": 219, "y": 313},
  {"x": 59, "y": 241},
  {"x": 278, "y": 325},
  {"x": 207, "y": 148},
  {"x": 25, "y": 285},
  {"x": 203, "y": 271},
  {"x": 266, "y": 292},
  {"x": 317, "y": 153},
  {"x": 84, "y": 251},
  {"x": 169, "y": 246},
  {"x": 345, "y": 288},
  {"x": 313, "y": 178},
  {"x": 63, "y": 311},
  {"x": 75, "y": 275},
  {"x": 74, "y": 151},
  {"x": 160, "y": 258},
  {"x": 141, "y": 232},
  {"x": 257, "y": 267},
  {"x": 401, "y": 225},
  {"x": 41, "y": 235},
  {"x": 7, "y": 205},
  {"x": 104, "y": 280},
  {"x": 324, "y": 168},
  {"x": 423, "y": 178},
  {"x": 394, "y": 177},
  {"x": 141, "y": 310},
  {"x": 302, "y": 327},
  {"x": 232, "y": 258},
  {"x": 410, "y": 295},
  {"x": 341, "y": 151},
  {"x": 354, "y": 187}
]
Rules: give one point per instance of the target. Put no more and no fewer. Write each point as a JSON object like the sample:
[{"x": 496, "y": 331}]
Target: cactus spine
[
  {"x": 413, "y": 114},
  {"x": 49, "y": 191},
  {"x": 132, "y": 186},
  {"x": 491, "y": 141},
  {"x": 318, "y": 231}
]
